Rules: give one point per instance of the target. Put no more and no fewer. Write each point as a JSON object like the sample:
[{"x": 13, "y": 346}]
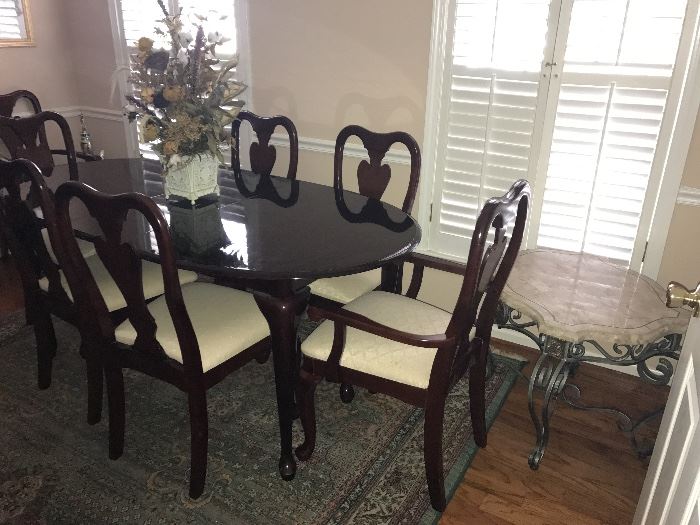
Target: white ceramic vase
[{"x": 193, "y": 178}]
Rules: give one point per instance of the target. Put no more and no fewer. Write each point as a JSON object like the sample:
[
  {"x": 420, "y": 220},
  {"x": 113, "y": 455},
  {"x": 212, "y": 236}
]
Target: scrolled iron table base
[{"x": 558, "y": 361}]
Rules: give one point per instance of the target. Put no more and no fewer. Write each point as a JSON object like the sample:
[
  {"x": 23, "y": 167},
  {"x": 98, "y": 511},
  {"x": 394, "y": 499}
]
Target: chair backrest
[
  {"x": 9, "y": 101},
  {"x": 373, "y": 177},
  {"x": 25, "y": 138},
  {"x": 23, "y": 229},
  {"x": 263, "y": 154},
  {"x": 488, "y": 268},
  {"x": 125, "y": 267}
]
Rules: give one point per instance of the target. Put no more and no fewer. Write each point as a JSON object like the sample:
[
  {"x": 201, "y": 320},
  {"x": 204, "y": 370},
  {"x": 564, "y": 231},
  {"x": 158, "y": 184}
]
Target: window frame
[{"x": 664, "y": 180}]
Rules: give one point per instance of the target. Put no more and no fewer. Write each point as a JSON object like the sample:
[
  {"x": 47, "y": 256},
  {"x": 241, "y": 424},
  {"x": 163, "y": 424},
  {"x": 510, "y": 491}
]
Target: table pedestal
[{"x": 558, "y": 361}]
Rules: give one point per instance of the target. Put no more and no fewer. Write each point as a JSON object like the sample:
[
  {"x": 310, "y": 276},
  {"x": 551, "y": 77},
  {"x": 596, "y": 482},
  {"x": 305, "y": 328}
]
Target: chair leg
[
  {"x": 115, "y": 401},
  {"x": 477, "y": 399},
  {"x": 264, "y": 356},
  {"x": 347, "y": 393},
  {"x": 199, "y": 428},
  {"x": 4, "y": 251},
  {"x": 432, "y": 450},
  {"x": 306, "y": 392},
  {"x": 45, "y": 346},
  {"x": 95, "y": 387}
]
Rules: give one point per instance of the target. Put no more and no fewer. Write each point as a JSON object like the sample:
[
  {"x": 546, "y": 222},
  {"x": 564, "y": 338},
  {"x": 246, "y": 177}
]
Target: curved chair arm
[
  {"x": 420, "y": 261},
  {"x": 345, "y": 318}
]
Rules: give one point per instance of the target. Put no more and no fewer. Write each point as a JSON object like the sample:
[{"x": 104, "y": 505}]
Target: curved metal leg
[{"x": 550, "y": 374}]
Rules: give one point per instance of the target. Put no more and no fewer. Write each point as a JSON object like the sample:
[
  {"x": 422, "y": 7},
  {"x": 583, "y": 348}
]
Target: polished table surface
[
  {"x": 276, "y": 234},
  {"x": 263, "y": 227}
]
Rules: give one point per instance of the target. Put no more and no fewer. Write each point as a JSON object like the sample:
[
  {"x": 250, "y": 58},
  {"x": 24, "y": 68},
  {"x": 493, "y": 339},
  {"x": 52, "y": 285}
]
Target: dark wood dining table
[{"x": 270, "y": 235}]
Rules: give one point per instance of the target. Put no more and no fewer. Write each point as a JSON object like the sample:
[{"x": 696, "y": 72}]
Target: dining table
[{"x": 269, "y": 235}]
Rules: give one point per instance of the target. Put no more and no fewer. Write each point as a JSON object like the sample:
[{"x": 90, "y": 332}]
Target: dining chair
[
  {"x": 263, "y": 154},
  {"x": 8, "y": 105},
  {"x": 192, "y": 337},
  {"x": 373, "y": 178},
  {"x": 414, "y": 351},
  {"x": 39, "y": 265}
]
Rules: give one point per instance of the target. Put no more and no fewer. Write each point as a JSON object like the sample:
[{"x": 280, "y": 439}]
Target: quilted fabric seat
[
  {"x": 226, "y": 322},
  {"x": 379, "y": 356},
  {"x": 347, "y": 287},
  {"x": 152, "y": 275}
]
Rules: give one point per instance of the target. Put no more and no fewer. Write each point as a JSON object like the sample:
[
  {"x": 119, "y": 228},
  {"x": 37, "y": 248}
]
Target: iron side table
[{"x": 584, "y": 308}]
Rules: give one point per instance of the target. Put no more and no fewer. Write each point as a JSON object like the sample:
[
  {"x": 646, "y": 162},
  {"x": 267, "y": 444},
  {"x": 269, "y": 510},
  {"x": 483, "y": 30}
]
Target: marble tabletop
[{"x": 577, "y": 297}]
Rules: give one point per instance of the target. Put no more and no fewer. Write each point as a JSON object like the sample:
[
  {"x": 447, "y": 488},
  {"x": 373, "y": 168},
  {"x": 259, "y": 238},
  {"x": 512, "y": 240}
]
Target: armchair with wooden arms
[{"x": 411, "y": 350}]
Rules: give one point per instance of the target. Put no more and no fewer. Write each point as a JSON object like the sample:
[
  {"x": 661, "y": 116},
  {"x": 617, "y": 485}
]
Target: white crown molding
[
  {"x": 688, "y": 196},
  {"x": 351, "y": 150}
]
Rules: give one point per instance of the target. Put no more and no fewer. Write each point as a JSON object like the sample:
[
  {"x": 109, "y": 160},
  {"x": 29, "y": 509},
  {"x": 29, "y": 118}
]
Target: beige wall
[
  {"x": 46, "y": 67},
  {"x": 681, "y": 260},
  {"x": 329, "y": 64},
  {"x": 324, "y": 64}
]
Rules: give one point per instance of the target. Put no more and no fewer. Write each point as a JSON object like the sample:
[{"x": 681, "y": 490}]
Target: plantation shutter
[
  {"x": 616, "y": 77},
  {"x": 11, "y": 20},
  {"x": 492, "y": 91}
]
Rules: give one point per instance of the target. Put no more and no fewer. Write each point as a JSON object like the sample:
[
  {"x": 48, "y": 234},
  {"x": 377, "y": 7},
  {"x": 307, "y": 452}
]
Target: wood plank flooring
[{"x": 589, "y": 473}]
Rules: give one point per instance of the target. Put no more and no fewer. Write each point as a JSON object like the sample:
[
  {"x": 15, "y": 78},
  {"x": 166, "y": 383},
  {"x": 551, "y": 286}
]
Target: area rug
[{"x": 367, "y": 468}]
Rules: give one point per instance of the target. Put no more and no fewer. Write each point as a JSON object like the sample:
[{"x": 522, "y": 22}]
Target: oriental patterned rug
[{"x": 367, "y": 467}]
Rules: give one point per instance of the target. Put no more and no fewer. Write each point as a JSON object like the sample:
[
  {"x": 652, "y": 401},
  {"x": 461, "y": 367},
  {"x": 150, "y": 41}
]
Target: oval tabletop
[
  {"x": 577, "y": 297},
  {"x": 261, "y": 227}
]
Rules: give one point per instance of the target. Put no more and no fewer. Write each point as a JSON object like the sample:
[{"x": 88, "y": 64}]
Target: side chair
[
  {"x": 192, "y": 337},
  {"x": 46, "y": 292},
  {"x": 413, "y": 351},
  {"x": 8, "y": 104},
  {"x": 262, "y": 154},
  {"x": 373, "y": 178}
]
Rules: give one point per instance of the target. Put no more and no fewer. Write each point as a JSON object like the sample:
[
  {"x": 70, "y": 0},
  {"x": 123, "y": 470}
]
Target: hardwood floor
[{"x": 588, "y": 475}]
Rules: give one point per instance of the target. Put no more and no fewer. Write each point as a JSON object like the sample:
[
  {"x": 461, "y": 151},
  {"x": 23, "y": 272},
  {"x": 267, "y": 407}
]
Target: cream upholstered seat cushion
[
  {"x": 152, "y": 276},
  {"x": 86, "y": 248},
  {"x": 379, "y": 356},
  {"x": 347, "y": 288},
  {"x": 226, "y": 322}
]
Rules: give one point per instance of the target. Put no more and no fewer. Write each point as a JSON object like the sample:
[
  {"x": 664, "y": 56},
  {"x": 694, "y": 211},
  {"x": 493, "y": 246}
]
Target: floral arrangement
[{"x": 185, "y": 96}]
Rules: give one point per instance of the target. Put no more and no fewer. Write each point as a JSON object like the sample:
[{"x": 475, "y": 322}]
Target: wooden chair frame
[
  {"x": 486, "y": 273},
  {"x": 263, "y": 154},
  {"x": 146, "y": 355},
  {"x": 373, "y": 178},
  {"x": 22, "y": 229}
]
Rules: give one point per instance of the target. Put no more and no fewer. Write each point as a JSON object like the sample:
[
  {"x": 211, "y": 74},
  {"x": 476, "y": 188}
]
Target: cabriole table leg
[{"x": 282, "y": 311}]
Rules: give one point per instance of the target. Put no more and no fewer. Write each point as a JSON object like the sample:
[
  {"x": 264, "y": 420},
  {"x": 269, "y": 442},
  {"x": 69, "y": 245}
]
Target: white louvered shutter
[
  {"x": 616, "y": 77},
  {"x": 11, "y": 20},
  {"x": 492, "y": 91}
]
